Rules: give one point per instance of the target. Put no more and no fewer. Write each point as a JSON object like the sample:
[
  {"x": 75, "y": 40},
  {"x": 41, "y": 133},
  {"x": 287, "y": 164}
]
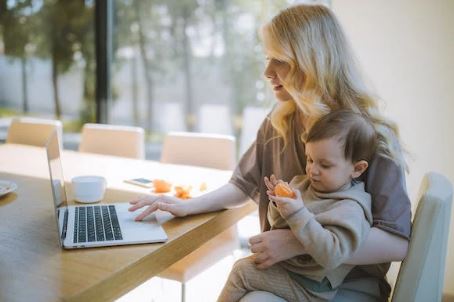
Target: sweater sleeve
[
  {"x": 333, "y": 236},
  {"x": 248, "y": 174},
  {"x": 391, "y": 207}
]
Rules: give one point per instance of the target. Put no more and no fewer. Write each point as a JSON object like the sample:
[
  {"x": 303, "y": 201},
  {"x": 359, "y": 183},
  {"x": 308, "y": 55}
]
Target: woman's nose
[{"x": 269, "y": 72}]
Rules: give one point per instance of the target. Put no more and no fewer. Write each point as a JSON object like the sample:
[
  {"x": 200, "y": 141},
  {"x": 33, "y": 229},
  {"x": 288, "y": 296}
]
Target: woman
[{"x": 312, "y": 72}]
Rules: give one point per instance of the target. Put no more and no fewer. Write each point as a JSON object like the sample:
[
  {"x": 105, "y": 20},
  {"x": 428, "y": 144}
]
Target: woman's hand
[
  {"x": 224, "y": 197},
  {"x": 274, "y": 246},
  {"x": 171, "y": 204}
]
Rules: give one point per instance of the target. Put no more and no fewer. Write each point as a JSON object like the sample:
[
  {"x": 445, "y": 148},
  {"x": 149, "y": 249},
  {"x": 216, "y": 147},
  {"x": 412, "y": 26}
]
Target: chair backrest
[
  {"x": 125, "y": 141},
  {"x": 199, "y": 149},
  {"x": 421, "y": 274},
  {"x": 33, "y": 131}
]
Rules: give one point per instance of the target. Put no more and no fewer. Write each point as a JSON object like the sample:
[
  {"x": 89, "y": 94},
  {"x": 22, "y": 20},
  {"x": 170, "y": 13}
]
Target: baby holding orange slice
[{"x": 327, "y": 209}]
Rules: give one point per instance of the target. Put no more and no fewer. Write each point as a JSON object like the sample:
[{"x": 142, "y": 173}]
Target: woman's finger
[
  {"x": 164, "y": 206},
  {"x": 255, "y": 239},
  {"x": 260, "y": 258},
  {"x": 257, "y": 248},
  {"x": 266, "y": 263},
  {"x": 139, "y": 204},
  {"x": 146, "y": 212},
  {"x": 138, "y": 199},
  {"x": 144, "y": 202}
]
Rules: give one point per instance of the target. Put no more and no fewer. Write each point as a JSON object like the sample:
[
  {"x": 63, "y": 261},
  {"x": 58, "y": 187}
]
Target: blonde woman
[{"x": 312, "y": 72}]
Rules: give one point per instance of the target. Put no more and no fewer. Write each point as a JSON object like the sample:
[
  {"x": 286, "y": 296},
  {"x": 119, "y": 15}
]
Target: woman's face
[{"x": 275, "y": 72}]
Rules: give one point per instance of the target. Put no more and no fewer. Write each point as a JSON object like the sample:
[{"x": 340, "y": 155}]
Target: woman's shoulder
[
  {"x": 266, "y": 128},
  {"x": 390, "y": 147}
]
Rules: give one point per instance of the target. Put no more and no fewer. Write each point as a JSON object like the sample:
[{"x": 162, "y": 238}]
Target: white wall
[{"x": 406, "y": 49}]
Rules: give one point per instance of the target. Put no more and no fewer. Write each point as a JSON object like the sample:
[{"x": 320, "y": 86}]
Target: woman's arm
[
  {"x": 380, "y": 247},
  {"x": 279, "y": 245},
  {"x": 227, "y": 196}
]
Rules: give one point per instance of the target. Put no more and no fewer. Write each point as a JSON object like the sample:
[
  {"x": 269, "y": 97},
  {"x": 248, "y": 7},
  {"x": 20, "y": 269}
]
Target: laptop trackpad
[{"x": 149, "y": 229}]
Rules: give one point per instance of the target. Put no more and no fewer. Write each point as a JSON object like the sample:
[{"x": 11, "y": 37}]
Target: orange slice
[
  {"x": 282, "y": 189},
  {"x": 183, "y": 192},
  {"x": 161, "y": 186}
]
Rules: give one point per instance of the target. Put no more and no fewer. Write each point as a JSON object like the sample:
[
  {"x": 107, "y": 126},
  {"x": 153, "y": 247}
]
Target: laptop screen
[{"x": 57, "y": 184}]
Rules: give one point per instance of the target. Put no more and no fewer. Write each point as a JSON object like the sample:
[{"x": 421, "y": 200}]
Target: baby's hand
[
  {"x": 270, "y": 184},
  {"x": 288, "y": 206}
]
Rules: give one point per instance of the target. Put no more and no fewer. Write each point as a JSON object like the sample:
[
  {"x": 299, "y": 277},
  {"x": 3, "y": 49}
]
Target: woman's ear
[{"x": 359, "y": 167}]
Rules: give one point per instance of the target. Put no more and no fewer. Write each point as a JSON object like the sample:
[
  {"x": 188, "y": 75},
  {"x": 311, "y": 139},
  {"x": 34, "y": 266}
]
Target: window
[
  {"x": 177, "y": 65},
  {"x": 47, "y": 61}
]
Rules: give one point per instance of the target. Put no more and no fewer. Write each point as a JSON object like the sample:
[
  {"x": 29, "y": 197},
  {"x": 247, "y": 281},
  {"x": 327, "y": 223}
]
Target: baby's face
[{"x": 326, "y": 166}]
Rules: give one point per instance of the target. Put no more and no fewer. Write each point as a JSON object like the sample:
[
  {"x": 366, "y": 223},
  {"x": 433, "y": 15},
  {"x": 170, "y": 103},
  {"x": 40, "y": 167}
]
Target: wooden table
[{"x": 33, "y": 267}]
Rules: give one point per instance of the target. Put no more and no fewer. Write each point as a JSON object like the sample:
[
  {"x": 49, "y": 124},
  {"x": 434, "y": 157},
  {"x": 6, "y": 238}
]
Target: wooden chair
[
  {"x": 33, "y": 131},
  {"x": 124, "y": 141},
  {"x": 206, "y": 150},
  {"x": 421, "y": 275},
  {"x": 199, "y": 149}
]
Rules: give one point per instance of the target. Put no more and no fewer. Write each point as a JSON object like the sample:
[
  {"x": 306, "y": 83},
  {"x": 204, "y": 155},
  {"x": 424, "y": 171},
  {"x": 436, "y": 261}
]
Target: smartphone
[{"x": 142, "y": 182}]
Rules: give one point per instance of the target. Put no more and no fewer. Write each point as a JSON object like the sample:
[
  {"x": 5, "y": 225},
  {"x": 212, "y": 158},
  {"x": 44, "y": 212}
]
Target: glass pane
[
  {"x": 47, "y": 63},
  {"x": 188, "y": 65}
]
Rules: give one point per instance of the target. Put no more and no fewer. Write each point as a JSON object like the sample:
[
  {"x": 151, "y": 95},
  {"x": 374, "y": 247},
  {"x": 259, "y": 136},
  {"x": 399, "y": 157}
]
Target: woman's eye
[{"x": 274, "y": 60}]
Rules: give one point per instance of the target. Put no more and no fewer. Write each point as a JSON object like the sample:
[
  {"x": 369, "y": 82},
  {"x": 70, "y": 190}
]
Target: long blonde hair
[{"x": 323, "y": 73}]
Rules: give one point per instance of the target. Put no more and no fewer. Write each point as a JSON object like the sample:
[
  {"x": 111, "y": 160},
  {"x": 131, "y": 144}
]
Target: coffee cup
[{"x": 88, "y": 189}]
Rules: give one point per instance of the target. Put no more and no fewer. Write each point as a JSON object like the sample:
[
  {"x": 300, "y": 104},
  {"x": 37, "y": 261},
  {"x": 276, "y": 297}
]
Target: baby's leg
[{"x": 245, "y": 277}]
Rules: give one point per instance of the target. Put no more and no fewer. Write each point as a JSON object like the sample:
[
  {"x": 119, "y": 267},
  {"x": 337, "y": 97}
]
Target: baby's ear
[{"x": 359, "y": 167}]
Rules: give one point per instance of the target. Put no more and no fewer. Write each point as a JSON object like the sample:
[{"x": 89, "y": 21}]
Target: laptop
[{"x": 95, "y": 225}]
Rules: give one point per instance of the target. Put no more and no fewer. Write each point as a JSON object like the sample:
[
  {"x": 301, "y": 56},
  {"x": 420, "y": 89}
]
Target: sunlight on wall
[{"x": 405, "y": 49}]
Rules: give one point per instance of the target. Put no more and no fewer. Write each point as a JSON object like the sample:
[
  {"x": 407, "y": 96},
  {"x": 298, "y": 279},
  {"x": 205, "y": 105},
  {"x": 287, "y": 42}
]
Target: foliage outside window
[{"x": 169, "y": 55}]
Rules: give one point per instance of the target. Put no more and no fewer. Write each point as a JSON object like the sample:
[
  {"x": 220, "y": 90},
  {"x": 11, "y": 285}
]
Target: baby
[{"x": 327, "y": 209}]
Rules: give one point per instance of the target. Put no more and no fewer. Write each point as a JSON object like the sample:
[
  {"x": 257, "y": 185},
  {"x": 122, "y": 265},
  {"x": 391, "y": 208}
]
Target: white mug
[{"x": 88, "y": 189}]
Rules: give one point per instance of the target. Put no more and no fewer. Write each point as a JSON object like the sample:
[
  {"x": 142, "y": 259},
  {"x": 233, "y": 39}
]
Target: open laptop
[{"x": 86, "y": 226}]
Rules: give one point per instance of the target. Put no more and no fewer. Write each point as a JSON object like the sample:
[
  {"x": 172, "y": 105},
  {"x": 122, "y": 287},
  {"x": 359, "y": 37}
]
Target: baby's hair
[{"x": 354, "y": 131}]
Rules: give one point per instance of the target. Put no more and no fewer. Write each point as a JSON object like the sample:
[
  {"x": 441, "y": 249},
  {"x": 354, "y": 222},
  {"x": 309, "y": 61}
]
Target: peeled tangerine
[
  {"x": 183, "y": 192},
  {"x": 282, "y": 189},
  {"x": 161, "y": 186}
]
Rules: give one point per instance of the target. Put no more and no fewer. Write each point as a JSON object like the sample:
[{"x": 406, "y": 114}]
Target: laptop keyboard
[{"x": 96, "y": 223}]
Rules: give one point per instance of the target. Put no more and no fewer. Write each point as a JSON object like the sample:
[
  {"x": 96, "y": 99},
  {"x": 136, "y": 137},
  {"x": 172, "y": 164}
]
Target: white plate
[{"x": 7, "y": 187}]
